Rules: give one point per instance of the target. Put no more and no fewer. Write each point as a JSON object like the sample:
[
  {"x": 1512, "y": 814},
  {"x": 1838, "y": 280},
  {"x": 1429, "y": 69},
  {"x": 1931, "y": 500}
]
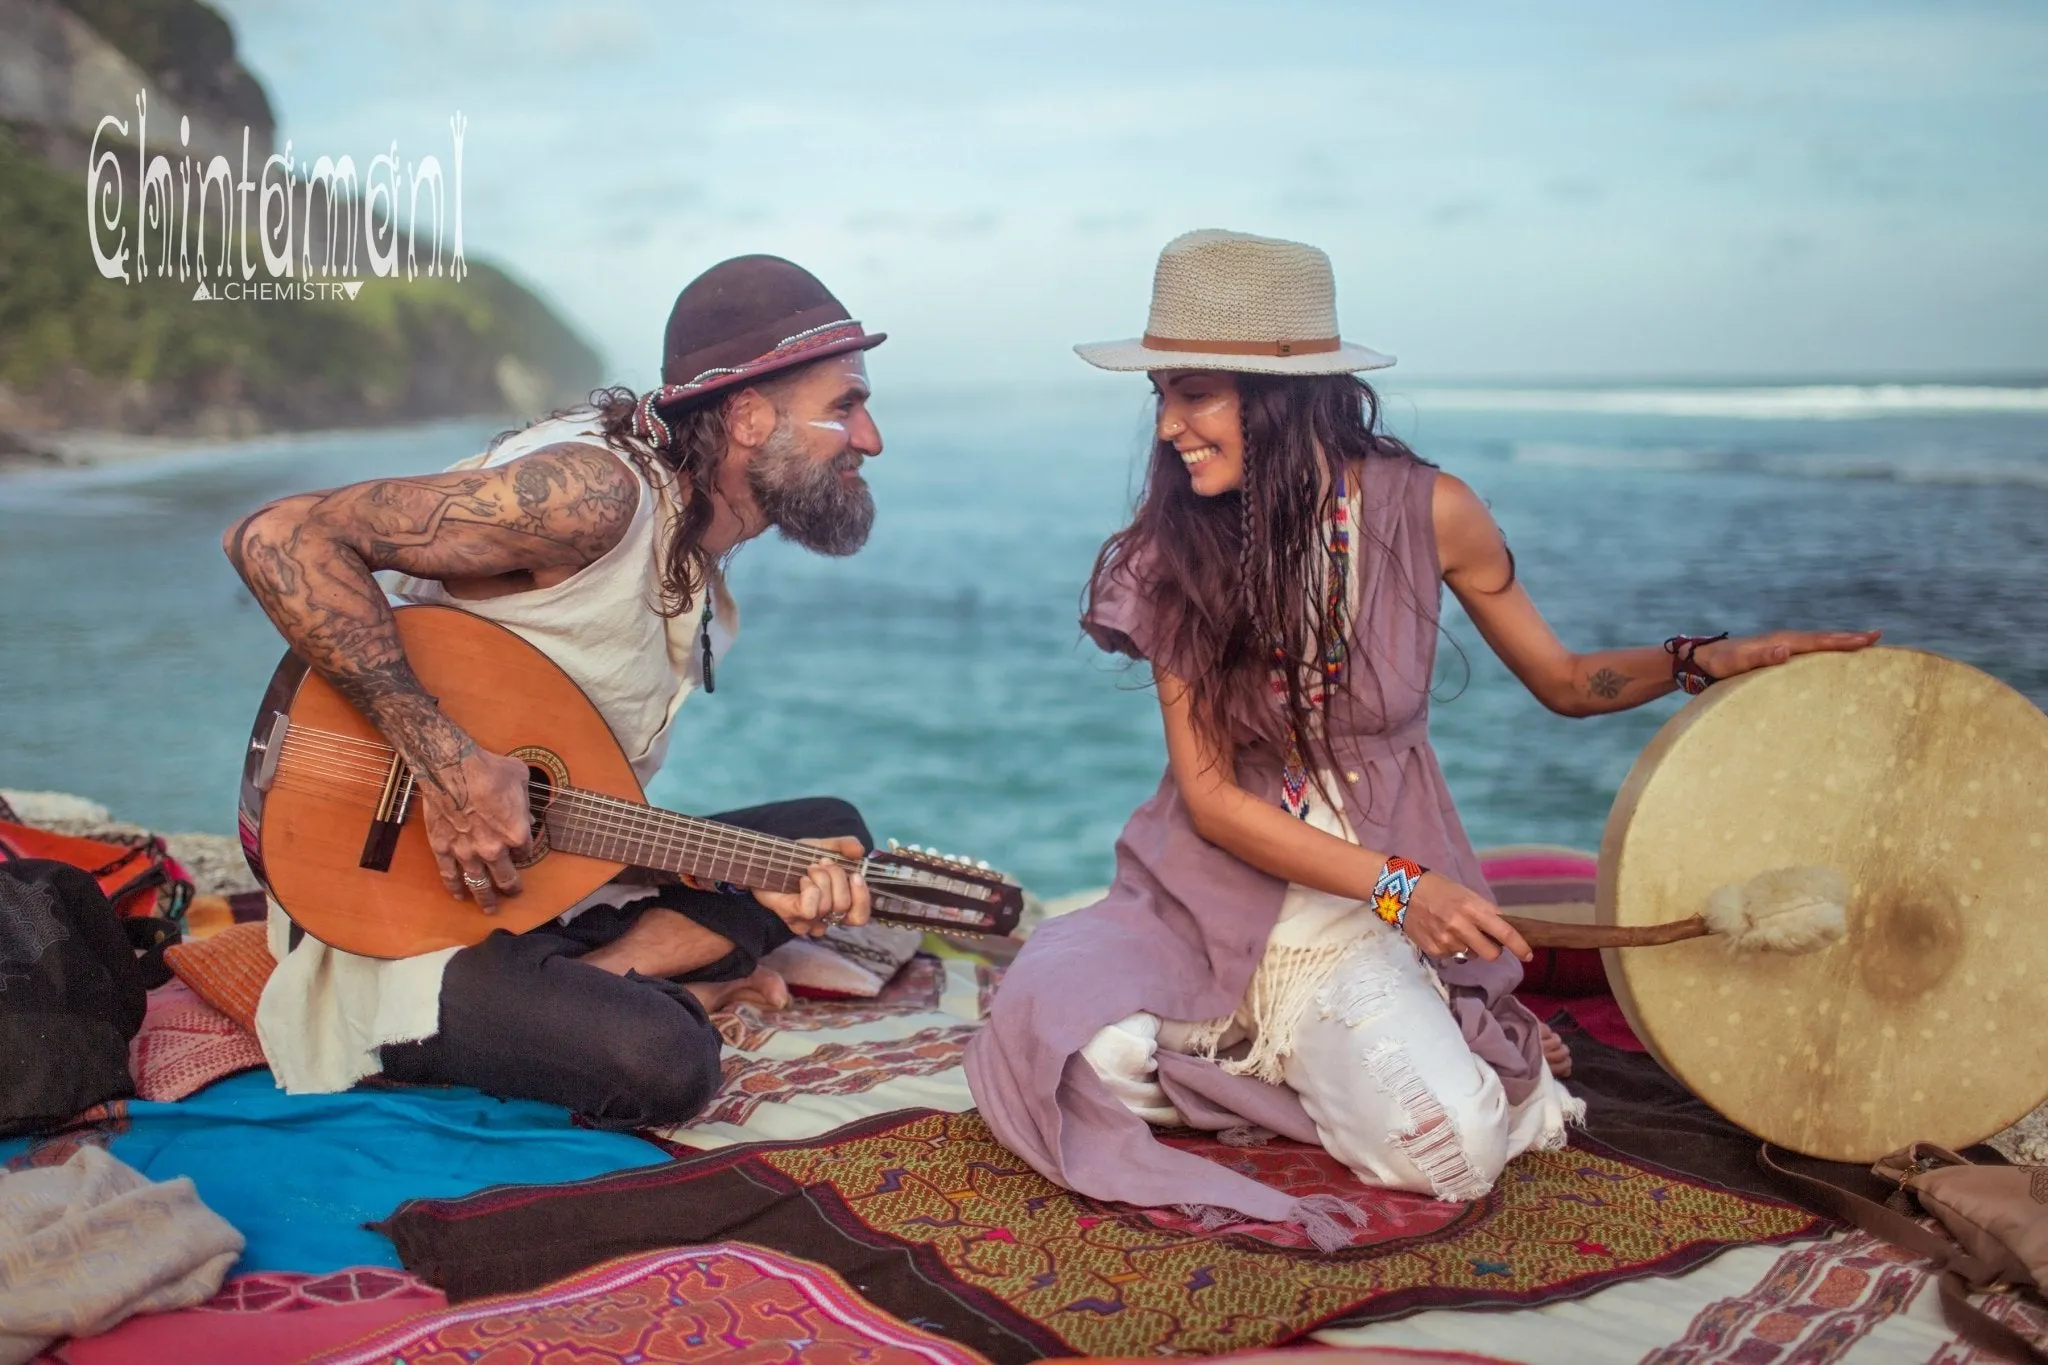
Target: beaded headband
[{"x": 648, "y": 423}]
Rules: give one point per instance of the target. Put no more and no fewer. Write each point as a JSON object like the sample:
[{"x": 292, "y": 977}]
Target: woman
[{"x": 1299, "y": 937}]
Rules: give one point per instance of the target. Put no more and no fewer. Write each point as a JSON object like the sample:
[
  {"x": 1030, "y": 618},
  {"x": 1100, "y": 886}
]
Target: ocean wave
[
  {"x": 1889, "y": 469},
  {"x": 1789, "y": 403}
]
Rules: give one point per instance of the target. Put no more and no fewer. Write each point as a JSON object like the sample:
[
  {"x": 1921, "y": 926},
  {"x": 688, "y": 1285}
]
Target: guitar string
[
  {"x": 600, "y": 836},
  {"x": 612, "y": 819},
  {"x": 711, "y": 836},
  {"x": 890, "y": 887},
  {"x": 685, "y": 834},
  {"x": 888, "y": 897},
  {"x": 728, "y": 842}
]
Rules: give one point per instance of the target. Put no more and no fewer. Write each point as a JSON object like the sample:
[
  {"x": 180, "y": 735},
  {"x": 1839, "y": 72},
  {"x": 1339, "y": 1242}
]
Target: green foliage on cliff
[{"x": 77, "y": 349}]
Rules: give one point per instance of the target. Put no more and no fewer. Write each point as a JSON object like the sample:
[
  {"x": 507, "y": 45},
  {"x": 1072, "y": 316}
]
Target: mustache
[{"x": 848, "y": 461}]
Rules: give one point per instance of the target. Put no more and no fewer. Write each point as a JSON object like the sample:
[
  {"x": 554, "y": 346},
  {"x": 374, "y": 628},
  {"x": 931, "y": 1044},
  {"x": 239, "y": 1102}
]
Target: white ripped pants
[{"x": 1376, "y": 1058}]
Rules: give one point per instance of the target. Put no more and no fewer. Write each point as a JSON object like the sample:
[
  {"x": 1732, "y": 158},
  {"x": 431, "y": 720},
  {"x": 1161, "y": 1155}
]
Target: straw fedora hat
[{"x": 1232, "y": 301}]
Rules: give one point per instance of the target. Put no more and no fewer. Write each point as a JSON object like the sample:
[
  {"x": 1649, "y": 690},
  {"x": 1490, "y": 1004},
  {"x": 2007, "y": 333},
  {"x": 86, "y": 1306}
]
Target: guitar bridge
[{"x": 394, "y": 804}]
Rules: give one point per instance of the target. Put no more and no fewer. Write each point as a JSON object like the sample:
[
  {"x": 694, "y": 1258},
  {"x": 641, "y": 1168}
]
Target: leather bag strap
[{"x": 1958, "y": 1269}]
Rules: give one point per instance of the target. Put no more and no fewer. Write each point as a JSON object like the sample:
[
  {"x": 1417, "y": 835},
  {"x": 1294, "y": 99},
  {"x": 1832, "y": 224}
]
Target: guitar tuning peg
[
  {"x": 894, "y": 846},
  {"x": 981, "y": 865}
]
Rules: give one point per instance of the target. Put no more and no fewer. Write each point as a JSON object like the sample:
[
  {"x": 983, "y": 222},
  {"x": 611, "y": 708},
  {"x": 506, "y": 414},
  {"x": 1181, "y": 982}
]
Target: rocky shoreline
[
  {"x": 214, "y": 861},
  {"x": 58, "y": 451}
]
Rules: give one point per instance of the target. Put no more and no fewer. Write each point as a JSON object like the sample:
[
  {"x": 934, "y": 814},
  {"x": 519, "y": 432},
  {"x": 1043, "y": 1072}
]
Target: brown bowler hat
[{"x": 748, "y": 317}]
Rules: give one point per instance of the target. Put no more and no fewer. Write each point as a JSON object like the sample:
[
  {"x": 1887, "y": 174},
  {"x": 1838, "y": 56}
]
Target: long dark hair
[{"x": 1228, "y": 579}]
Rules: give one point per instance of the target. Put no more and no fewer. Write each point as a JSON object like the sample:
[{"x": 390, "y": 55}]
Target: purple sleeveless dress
[{"x": 1185, "y": 923}]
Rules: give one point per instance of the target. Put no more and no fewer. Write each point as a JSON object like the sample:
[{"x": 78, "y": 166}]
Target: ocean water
[{"x": 938, "y": 678}]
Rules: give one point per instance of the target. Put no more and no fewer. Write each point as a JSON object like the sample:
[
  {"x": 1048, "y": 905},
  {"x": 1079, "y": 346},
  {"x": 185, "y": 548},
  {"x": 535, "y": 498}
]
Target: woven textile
[
  {"x": 186, "y": 1048},
  {"x": 1815, "y": 1303},
  {"x": 227, "y": 970},
  {"x": 722, "y": 1302},
  {"x": 273, "y": 1318},
  {"x": 91, "y": 1242},
  {"x": 832, "y": 1069},
  {"x": 915, "y": 989},
  {"x": 939, "y": 1224}
]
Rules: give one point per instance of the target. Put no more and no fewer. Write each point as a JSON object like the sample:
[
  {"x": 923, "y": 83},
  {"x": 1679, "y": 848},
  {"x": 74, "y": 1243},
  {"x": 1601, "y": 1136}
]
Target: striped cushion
[
  {"x": 227, "y": 970},
  {"x": 1543, "y": 881}
]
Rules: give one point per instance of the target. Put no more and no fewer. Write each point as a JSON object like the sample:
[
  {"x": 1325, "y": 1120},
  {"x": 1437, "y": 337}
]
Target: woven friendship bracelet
[
  {"x": 1690, "y": 677},
  {"x": 1396, "y": 884}
]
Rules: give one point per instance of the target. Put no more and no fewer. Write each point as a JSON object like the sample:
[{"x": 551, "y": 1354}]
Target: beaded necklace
[{"x": 1294, "y": 783}]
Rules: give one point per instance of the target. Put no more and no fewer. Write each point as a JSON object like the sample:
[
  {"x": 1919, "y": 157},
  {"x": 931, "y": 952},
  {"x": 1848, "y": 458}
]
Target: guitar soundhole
[{"x": 545, "y": 772}]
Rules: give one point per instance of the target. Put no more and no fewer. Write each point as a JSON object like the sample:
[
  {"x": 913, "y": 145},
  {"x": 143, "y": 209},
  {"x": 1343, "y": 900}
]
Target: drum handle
[{"x": 1540, "y": 933}]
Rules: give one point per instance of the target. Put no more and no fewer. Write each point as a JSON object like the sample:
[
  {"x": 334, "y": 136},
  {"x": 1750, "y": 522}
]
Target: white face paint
[{"x": 836, "y": 428}]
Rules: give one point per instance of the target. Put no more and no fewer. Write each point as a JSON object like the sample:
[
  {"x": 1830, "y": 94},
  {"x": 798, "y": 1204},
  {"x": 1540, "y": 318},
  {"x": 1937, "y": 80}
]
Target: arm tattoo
[
  {"x": 1607, "y": 683},
  {"x": 309, "y": 561}
]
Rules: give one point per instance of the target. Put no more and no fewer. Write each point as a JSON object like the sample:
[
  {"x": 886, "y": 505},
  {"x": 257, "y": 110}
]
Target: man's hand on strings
[
  {"x": 831, "y": 892},
  {"x": 478, "y": 821}
]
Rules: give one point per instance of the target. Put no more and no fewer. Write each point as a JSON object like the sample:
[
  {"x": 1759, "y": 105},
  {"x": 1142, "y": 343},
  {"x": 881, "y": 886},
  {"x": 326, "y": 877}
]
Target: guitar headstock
[{"x": 932, "y": 890}]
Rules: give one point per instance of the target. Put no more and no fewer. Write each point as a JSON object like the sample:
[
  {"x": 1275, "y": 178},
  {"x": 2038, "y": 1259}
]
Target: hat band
[
  {"x": 650, "y": 425},
  {"x": 1313, "y": 346},
  {"x": 810, "y": 339}
]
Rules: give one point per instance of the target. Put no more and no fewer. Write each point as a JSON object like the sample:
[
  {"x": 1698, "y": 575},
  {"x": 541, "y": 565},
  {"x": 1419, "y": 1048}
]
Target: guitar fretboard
[{"x": 667, "y": 841}]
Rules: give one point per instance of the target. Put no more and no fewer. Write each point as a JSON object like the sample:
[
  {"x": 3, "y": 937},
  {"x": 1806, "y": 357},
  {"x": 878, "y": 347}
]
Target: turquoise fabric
[{"x": 299, "y": 1175}]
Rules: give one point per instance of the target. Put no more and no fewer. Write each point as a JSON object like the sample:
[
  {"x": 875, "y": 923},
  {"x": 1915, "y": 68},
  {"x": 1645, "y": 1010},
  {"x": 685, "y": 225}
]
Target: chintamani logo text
[
  {"x": 299, "y": 232},
  {"x": 273, "y": 291}
]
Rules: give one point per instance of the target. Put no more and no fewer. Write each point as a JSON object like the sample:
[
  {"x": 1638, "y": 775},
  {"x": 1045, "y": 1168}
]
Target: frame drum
[{"x": 1924, "y": 782}]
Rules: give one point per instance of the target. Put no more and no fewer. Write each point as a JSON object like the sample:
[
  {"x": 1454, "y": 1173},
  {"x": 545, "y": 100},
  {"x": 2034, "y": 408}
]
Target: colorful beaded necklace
[{"x": 1294, "y": 783}]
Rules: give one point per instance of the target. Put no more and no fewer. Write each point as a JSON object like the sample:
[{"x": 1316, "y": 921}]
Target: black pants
[{"x": 521, "y": 1016}]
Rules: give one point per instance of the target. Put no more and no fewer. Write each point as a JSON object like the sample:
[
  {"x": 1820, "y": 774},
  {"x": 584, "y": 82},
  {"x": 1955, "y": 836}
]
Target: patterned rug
[
  {"x": 722, "y": 1302},
  {"x": 913, "y": 990},
  {"x": 832, "y": 1069},
  {"x": 938, "y": 1224},
  {"x": 1819, "y": 1303},
  {"x": 272, "y": 1318}
]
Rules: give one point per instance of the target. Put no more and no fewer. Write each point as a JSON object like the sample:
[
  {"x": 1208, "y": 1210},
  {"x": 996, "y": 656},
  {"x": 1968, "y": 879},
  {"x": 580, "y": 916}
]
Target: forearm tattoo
[
  {"x": 1607, "y": 684},
  {"x": 309, "y": 562}
]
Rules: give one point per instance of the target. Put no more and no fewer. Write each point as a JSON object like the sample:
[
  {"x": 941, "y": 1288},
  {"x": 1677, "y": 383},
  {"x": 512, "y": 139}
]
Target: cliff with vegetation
[{"x": 81, "y": 351}]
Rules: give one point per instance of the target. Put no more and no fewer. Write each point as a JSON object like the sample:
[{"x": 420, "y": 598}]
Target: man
[{"x": 596, "y": 535}]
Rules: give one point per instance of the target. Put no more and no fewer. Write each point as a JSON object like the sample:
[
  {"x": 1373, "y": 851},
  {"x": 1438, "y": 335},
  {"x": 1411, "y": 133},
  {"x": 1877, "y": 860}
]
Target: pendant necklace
[{"x": 710, "y": 674}]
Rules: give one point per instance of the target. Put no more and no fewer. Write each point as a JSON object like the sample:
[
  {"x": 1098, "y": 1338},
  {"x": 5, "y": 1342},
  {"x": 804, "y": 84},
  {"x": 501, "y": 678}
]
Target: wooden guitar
[{"x": 330, "y": 821}]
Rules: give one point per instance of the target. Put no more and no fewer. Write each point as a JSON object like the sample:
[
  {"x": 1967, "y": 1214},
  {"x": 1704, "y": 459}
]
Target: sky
[{"x": 1575, "y": 190}]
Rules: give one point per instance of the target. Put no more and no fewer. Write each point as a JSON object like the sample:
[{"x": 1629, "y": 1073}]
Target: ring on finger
[
  {"x": 1461, "y": 957},
  {"x": 475, "y": 883}
]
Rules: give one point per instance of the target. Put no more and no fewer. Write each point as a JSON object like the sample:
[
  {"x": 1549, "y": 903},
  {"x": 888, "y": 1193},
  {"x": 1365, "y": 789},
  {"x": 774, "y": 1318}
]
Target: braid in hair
[{"x": 1247, "y": 565}]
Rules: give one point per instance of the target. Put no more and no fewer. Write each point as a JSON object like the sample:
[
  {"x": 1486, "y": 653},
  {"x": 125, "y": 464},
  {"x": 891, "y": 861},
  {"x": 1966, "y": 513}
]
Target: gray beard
[{"x": 806, "y": 501}]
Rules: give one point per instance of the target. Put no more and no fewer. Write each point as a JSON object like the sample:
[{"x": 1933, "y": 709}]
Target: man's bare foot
[
  {"x": 1554, "y": 1051},
  {"x": 765, "y": 989}
]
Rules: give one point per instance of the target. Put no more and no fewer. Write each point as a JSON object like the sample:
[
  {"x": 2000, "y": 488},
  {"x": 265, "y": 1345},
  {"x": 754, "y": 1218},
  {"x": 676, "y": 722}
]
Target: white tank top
[{"x": 603, "y": 624}]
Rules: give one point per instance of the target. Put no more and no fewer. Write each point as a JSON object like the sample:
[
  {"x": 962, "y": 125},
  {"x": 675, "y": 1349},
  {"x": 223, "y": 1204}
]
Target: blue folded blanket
[{"x": 299, "y": 1175}]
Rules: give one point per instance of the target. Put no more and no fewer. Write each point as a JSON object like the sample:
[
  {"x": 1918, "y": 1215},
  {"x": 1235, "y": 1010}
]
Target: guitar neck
[{"x": 666, "y": 841}]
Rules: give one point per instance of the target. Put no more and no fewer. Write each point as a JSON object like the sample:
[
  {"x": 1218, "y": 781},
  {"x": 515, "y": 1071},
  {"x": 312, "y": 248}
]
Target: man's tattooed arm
[{"x": 309, "y": 560}]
